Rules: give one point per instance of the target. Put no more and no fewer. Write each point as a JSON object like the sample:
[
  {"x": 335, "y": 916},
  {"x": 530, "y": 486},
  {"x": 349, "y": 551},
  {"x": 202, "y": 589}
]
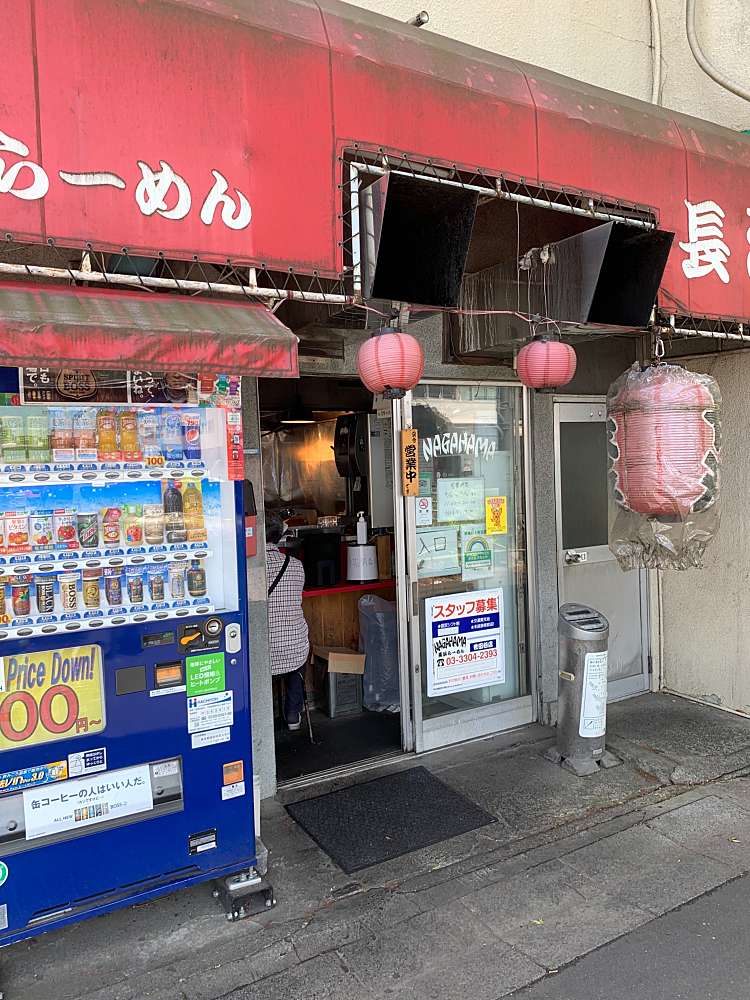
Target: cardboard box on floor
[{"x": 340, "y": 659}]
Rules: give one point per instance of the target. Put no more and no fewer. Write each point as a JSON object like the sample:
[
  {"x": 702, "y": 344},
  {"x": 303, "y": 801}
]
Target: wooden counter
[
  {"x": 349, "y": 588},
  {"x": 332, "y": 613}
]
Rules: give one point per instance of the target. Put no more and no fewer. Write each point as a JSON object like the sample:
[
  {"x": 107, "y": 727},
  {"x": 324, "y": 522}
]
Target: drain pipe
[
  {"x": 420, "y": 19},
  {"x": 656, "y": 46},
  {"x": 657, "y": 676},
  {"x": 700, "y": 57}
]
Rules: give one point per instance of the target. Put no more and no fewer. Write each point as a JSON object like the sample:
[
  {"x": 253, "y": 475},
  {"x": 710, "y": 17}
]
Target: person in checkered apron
[{"x": 288, "y": 634}]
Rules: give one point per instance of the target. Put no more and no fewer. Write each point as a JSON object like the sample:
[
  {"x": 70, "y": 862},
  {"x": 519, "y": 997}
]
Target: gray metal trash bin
[{"x": 583, "y": 638}]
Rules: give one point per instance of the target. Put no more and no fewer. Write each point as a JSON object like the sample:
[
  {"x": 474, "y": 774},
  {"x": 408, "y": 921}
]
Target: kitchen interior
[{"x": 327, "y": 471}]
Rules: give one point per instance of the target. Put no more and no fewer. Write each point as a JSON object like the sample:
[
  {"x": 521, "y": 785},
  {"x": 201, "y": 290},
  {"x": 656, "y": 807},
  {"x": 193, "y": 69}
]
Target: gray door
[{"x": 587, "y": 570}]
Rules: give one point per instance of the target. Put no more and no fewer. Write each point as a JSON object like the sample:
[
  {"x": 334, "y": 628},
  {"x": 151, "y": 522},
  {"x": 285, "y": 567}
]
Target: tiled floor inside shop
[{"x": 335, "y": 742}]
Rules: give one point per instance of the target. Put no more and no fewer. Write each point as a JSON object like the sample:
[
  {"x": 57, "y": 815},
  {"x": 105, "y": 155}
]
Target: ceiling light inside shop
[{"x": 298, "y": 413}]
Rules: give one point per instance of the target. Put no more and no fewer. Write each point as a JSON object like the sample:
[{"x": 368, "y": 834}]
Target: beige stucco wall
[
  {"x": 606, "y": 42},
  {"x": 706, "y": 613}
]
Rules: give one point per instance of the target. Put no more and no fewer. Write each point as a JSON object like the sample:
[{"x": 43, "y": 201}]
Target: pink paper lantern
[
  {"x": 390, "y": 363},
  {"x": 664, "y": 442},
  {"x": 545, "y": 363}
]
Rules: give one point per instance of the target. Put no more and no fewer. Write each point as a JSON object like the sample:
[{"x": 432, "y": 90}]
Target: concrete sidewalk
[
  {"x": 698, "y": 952},
  {"x": 570, "y": 864}
]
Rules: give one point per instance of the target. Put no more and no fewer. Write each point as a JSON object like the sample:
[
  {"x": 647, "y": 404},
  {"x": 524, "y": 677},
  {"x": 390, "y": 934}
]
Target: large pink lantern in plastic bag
[{"x": 664, "y": 449}]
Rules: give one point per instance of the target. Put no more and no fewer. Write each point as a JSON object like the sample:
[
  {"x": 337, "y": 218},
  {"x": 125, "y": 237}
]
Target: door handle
[{"x": 571, "y": 556}]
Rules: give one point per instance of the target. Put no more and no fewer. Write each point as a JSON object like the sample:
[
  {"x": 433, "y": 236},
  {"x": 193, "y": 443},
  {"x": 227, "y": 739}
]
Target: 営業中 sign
[{"x": 409, "y": 463}]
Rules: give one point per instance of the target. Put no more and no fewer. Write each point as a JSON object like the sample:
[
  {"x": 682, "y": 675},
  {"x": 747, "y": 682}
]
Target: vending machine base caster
[{"x": 244, "y": 894}]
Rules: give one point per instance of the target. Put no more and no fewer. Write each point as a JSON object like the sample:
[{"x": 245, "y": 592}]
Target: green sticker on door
[
  {"x": 205, "y": 673},
  {"x": 3, "y": 873}
]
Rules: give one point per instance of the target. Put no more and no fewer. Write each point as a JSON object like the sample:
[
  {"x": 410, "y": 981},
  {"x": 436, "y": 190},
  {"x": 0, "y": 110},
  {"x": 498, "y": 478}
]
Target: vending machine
[{"x": 125, "y": 750}]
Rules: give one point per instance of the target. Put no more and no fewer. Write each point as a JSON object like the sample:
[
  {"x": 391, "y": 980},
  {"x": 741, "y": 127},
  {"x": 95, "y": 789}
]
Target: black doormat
[{"x": 382, "y": 819}]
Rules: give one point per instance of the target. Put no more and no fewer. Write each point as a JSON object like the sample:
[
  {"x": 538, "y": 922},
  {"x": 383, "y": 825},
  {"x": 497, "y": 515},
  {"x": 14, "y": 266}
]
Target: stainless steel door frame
[
  {"x": 403, "y": 590},
  {"x": 410, "y": 621},
  {"x": 586, "y": 408},
  {"x": 483, "y": 720}
]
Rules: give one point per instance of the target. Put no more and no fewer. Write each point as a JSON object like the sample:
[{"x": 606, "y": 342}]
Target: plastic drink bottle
[
  {"x": 192, "y": 506},
  {"x": 174, "y": 520}
]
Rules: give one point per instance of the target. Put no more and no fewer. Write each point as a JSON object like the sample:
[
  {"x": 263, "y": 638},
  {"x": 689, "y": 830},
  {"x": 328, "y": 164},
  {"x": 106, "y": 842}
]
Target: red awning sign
[
  {"x": 165, "y": 333},
  {"x": 216, "y": 128}
]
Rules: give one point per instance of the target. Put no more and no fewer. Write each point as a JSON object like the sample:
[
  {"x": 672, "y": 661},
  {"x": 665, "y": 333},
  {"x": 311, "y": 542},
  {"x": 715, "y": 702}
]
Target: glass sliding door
[{"x": 467, "y": 563}]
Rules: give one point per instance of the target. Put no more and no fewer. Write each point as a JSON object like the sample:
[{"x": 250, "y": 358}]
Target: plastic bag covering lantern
[
  {"x": 546, "y": 363},
  {"x": 390, "y": 363},
  {"x": 664, "y": 438}
]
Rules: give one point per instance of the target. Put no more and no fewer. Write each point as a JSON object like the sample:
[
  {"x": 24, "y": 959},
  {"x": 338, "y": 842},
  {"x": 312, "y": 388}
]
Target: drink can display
[
  {"x": 12, "y": 437},
  {"x": 88, "y": 529},
  {"x": 20, "y": 596},
  {"x": 111, "y": 528},
  {"x": 84, "y": 434},
  {"x": 134, "y": 582},
  {"x": 128, "y": 425},
  {"x": 37, "y": 436},
  {"x": 61, "y": 434},
  {"x": 191, "y": 435},
  {"x": 91, "y": 592},
  {"x": 148, "y": 433},
  {"x": 17, "y": 531},
  {"x": 132, "y": 523},
  {"x": 68, "y": 591},
  {"x": 156, "y": 583},
  {"x": 45, "y": 594},
  {"x": 176, "y": 582},
  {"x": 153, "y": 523},
  {"x": 113, "y": 585},
  {"x": 65, "y": 529},
  {"x": 171, "y": 435},
  {"x": 106, "y": 436},
  {"x": 41, "y": 530}
]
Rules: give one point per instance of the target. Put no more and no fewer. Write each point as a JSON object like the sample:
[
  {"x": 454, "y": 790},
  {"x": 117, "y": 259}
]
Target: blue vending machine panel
[{"x": 125, "y": 750}]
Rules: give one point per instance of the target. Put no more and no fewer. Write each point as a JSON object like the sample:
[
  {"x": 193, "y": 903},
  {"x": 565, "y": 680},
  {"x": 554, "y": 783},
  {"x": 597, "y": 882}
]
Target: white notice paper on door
[
  {"x": 593, "y": 721},
  {"x": 465, "y": 641}
]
